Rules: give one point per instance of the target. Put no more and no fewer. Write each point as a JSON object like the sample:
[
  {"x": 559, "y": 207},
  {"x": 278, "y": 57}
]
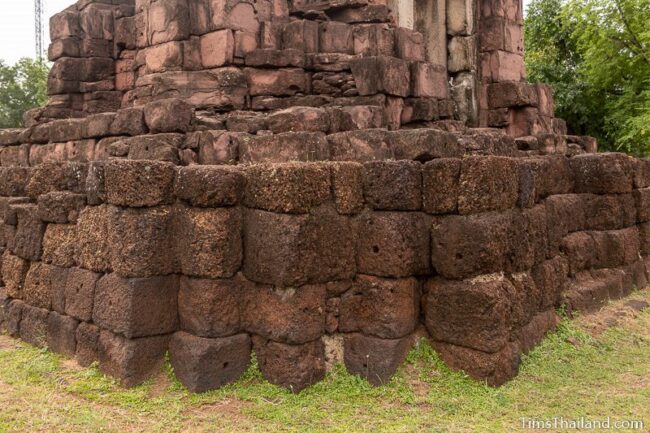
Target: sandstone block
[
  {"x": 293, "y": 119},
  {"x": 512, "y": 94},
  {"x": 168, "y": 115},
  {"x": 284, "y": 147},
  {"x": 204, "y": 364},
  {"x": 217, "y": 48},
  {"x": 381, "y": 74},
  {"x": 362, "y": 145},
  {"x": 425, "y": 144},
  {"x": 276, "y": 82},
  {"x": 429, "y": 81}
]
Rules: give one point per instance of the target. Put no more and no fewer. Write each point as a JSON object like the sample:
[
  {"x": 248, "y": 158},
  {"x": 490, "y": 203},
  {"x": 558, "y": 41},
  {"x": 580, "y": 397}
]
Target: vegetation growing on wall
[{"x": 22, "y": 86}]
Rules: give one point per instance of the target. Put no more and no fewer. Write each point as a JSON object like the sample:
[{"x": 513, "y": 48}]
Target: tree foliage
[
  {"x": 596, "y": 54},
  {"x": 22, "y": 86}
]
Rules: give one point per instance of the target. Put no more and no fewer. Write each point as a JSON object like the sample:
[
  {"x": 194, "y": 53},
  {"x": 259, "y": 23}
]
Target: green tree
[
  {"x": 22, "y": 86},
  {"x": 596, "y": 55}
]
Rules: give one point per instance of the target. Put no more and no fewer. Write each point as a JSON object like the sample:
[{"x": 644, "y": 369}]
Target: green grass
[{"x": 571, "y": 374}]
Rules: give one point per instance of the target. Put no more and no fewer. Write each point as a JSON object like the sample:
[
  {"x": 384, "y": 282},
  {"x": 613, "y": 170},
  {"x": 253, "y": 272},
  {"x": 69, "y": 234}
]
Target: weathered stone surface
[
  {"x": 92, "y": 244},
  {"x": 60, "y": 207},
  {"x": 425, "y": 144},
  {"x": 292, "y": 250},
  {"x": 293, "y": 316},
  {"x": 168, "y": 115},
  {"x": 487, "y": 184},
  {"x": 287, "y": 188},
  {"x": 294, "y": 367},
  {"x": 440, "y": 185},
  {"x": 204, "y": 364},
  {"x": 210, "y": 186},
  {"x": 87, "y": 339},
  {"x": 61, "y": 331},
  {"x": 378, "y": 74},
  {"x": 393, "y": 244},
  {"x": 14, "y": 271},
  {"x": 79, "y": 293},
  {"x": 136, "y": 307},
  {"x": 393, "y": 185},
  {"x": 207, "y": 242},
  {"x": 139, "y": 241},
  {"x": 375, "y": 359},
  {"x": 33, "y": 325},
  {"x": 284, "y": 147},
  {"x": 42, "y": 283},
  {"x": 609, "y": 173},
  {"x": 362, "y": 145},
  {"x": 131, "y": 361},
  {"x": 28, "y": 239},
  {"x": 471, "y": 313},
  {"x": 59, "y": 244},
  {"x": 347, "y": 187},
  {"x": 138, "y": 183},
  {"x": 210, "y": 308},
  {"x": 385, "y": 308}
]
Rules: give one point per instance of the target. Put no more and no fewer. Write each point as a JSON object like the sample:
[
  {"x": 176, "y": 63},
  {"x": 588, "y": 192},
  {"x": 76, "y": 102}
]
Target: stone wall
[{"x": 294, "y": 180}]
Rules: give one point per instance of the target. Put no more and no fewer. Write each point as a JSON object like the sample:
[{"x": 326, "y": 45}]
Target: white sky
[{"x": 17, "y": 26}]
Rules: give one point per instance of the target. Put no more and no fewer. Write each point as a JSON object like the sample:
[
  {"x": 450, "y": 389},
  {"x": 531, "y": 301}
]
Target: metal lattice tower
[{"x": 38, "y": 28}]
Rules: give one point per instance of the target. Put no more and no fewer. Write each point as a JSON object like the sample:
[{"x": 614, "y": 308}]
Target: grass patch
[{"x": 571, "y": 374}]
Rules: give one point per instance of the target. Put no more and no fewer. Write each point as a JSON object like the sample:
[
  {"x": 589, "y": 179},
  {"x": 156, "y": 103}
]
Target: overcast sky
[{"x": 17, "y": 26}]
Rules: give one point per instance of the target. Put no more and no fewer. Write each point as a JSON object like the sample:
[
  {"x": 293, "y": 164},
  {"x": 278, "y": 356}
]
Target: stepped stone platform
[{"x": 309, "y": 182}]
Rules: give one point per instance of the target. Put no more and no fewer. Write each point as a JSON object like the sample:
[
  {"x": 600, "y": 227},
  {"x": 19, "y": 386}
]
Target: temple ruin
[{"x": 312, "y": 181}]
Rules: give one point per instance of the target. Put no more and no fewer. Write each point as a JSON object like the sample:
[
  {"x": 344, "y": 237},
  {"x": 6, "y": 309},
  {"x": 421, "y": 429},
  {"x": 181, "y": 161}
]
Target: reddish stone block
[
  {"x": 210, "y": 308},
  {"x": 609, "y": 212},
  {"x": 129, "y": 121},
  {"x": 428, "y": 80},
  {"x": 217, "y": 48},
  {"x": 642, "y": 199},
  {"x": 209, "y": 186},
  {"x": 374, "y": 40},
  {"x": 61, "y": 332},
  {"x": 13, "y": 313},
  {"x": 493, "y": 368},
  {"x": 33, "y": 325},
  {"x": 384, "y": 308},
  {"x": 615, "y": 247},
  {"x": 138, "y": 183},
  {"x": 293, "y": 316},
  {"x": 236, "y": 15},
  {"x": 131, "y": 361},
  {"x": 207, "y": 241},
  {"x": 28, "y": 242},
  {"x": 168, "y": 21},
  {"x": 269, "y": 57},
  {"x": 440, "y": 185},
  {"x": 301, "y": 35},
  {"x": 466, "y": 246},
  {"x": 87, "y": 339},
  {"x": 55, "y": 176},
  {"x": 470, "y": 313},
  {"x": 299, "y": 119},
  {"x": 276, "y": 82},
  {"x": 60, "y": 207},
  {"x": 294, "y": 367},
  {"x": 393, "y": 185},
  {"x": 579, "y": 249},
  {"x": 92, "y": 244},
  {"x": 512, "y": 94},
  {"x": 168, "y": 115},
  {"x": 487, "y": 183},
  {"x": 347, "y": 187},
  {"x": 551, "y": 280},
  {"x": 362, "y": 145},
  {"x": 381, "y": 74},
  {"x": 375, "y": 359},
  {"x": 14, "y": 271},
  {"x": 42, "y": 283},
  {"x": 291, "y": 250},
  {"x": 393, "y": 244},
  {"x": 136, "y": 307},
  {"x": 409, "y": 44},
  {"x": 204, "y": 364},
  {"x": 284, "y": 147},
  {"x": 13, "y": 180},
  {"x": 79, "y": 293},
  {"x": 425, "y": 144},
  {"x": 608, "y": 173},
  {"x": 335, "y": 37},
  {"x": 287, "y": 188}
]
